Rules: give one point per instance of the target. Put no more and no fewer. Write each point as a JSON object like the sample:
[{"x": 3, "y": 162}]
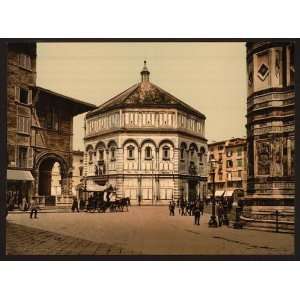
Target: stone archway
[{"x": 43, "y": 175}]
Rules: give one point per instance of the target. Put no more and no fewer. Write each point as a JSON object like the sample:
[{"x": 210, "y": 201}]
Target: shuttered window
[
  {"x": 22, "y": 157},
  {"x": 24, "y": 61},
  {"x": 23, "y": 124},
  {"x": 23, "y": 95}
]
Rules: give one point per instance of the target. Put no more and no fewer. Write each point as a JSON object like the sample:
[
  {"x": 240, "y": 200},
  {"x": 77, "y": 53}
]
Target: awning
[
  {"x": 91, "y": 187},
  {"x": 19, "y": 175},
  {"x": 228, "y": 194},
  {"x": 219, "y": 193},
  {"x": 95, "y": 188}
]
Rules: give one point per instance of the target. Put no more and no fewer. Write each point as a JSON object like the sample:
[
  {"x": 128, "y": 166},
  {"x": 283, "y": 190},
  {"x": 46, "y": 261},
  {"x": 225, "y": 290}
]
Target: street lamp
[{"x": 213, "y": 221}]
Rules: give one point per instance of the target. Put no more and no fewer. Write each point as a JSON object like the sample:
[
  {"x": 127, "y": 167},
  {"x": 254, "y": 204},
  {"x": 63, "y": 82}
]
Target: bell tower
[{"x": 270, "y": 123}]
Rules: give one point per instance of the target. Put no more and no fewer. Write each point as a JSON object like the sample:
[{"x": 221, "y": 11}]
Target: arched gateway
[{"x": 43, "y": 175}]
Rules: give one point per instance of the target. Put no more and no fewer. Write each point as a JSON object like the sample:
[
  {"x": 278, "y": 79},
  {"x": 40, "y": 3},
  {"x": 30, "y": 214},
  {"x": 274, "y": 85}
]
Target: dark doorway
[
  {"x": 46, "y": 179},
  {"x": 192, "y": 191}
]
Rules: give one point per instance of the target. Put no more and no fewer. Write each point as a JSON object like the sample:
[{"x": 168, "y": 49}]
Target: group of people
[
  {"x": 195, "y": 208},
  {"x": 25, "y": 205}
]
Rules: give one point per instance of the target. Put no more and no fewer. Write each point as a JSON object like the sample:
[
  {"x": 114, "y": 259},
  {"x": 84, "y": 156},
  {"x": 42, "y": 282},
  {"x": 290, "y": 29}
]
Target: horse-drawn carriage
[{"x": 102, "y": 199}]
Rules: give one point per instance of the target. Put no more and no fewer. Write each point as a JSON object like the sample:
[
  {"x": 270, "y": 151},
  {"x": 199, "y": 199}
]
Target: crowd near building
[
  {"x": 39, "y": 131},
  {"x": 231, "y": 171},
  {"x": 148, "y": 145}
]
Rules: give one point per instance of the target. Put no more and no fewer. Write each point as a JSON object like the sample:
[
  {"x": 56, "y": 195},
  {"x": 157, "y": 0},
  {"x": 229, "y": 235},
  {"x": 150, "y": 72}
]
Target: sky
[{"x": 211, "y": 77}]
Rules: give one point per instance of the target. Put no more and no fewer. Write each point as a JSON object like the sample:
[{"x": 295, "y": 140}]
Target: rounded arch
[
  {"x": 202, "y": 150},
  {"x": 166, "y": 141},
  {"x": 183, "y": 145},
  {"x": 148, "y": 141},
  {"x": 89, "y": 147},
  {"x": 128, "y": 141},
  {"x": 112, "y": 143},
  {"x": 99, "y": 145},
  {"x": 51, "y": 158},
  {"x": 44, "y": 167},
  {"x": 193, "y": 146}
]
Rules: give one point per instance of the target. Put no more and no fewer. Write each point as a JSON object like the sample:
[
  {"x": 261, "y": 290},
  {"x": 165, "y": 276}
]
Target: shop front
[{"x": 19, "y": 188}]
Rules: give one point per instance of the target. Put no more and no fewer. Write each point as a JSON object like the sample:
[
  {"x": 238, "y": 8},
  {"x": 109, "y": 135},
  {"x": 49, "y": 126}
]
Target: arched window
[
  {"x": 101, "y": 154},
  {"x": 113, "y": 153},
  {"x": 148, "y": 153},
  {"x": 182, "y": 153},
  {"x": 130, "y": 152},
  {"x": 201, "y": 154},
  {"x": 90, "y": 156},
  {"x": 166, "y": 153}
]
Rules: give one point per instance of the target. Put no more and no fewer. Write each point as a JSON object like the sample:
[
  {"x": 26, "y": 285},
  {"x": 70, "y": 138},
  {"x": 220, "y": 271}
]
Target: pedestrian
[
  {"x": 182, "y": 207},
  {"x": 220, "y": 213},
  {"x": 197, "y": 213},
  {"x": 172, "y": 208},
  {"x": 75, "y": 205},
  {"x": 33, "y": 208},
  {"x": 139, "y": 200},
  {"x": 201, "y": 205},
  {"x": 24, "y": 204}
]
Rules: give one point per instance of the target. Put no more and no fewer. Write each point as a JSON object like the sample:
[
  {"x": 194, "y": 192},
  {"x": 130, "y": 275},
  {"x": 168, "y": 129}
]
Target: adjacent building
[
  {"x": 147, "y": 144},
  {"x": 39, "y": 131},
  {"x": 231, "y": 171},
  {"x": 271, "y": 123}
]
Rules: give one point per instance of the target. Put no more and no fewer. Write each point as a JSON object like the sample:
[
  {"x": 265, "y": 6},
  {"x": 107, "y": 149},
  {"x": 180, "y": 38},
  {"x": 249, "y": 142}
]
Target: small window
[
  {"x": 23, "y": 124},
  {"x": 90, "y": 156},
  {"x": 229, "y": 164},
  {"x": 239, "y": 163},
  {"x": 220, "y": 148},
  {"x": 240, "y": 173},
  {"x": 24, "y": 61},
  {"x": 22, "y": 157},
  {"x": 182, "y": 154},
  {"x": 239, "y": 151},
  {"x": 220, "y": 177},
  {"x": 113, "y": 153},
  {"x": 80, "y": 171},
  {"x": 148, "y": 153},
  {"x": 166, "y": 153},
  {"x": 130, "y": 152},
  {"x": 101, "y": 154},
  {"x": 51, "y": 119},
  {"x": 229, "y": 153}
]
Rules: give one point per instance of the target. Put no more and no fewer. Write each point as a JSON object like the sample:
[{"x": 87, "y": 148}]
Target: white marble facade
[{"x": 148, "y": 145}]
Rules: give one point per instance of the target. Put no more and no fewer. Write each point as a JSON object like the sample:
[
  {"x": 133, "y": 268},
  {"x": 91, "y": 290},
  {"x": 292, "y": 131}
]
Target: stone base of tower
[{"x": 269, "y": 201}]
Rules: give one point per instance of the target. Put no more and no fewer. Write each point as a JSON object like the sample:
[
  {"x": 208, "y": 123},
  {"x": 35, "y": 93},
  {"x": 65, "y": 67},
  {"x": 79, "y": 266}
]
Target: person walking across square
[
  {"x": 33, "y": 208},
  {"x": 220, "y": 213}
]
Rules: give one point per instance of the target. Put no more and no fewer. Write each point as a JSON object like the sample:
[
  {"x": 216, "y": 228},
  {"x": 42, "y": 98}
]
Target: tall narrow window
[
  {"x": 182, "y": 154},
  {"x": 101, "y": 154},
  {"x": 113, "y": 153},
  {"x": 24, "y": 61},
  {"x": 52, "y": 119},
  {"x": 22, "y": 157},
  {"x": 148, "y": 153},
  {"x": 130, "y": 152},
  {"x": 90, "y": 156},
  {"x": 166, "y": 153}
]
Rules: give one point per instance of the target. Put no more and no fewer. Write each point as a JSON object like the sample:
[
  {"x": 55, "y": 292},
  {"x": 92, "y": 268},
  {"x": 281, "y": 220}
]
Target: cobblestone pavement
[
  {"x": 145, "y": 230},
  {"x": 23, "y": 240}
]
